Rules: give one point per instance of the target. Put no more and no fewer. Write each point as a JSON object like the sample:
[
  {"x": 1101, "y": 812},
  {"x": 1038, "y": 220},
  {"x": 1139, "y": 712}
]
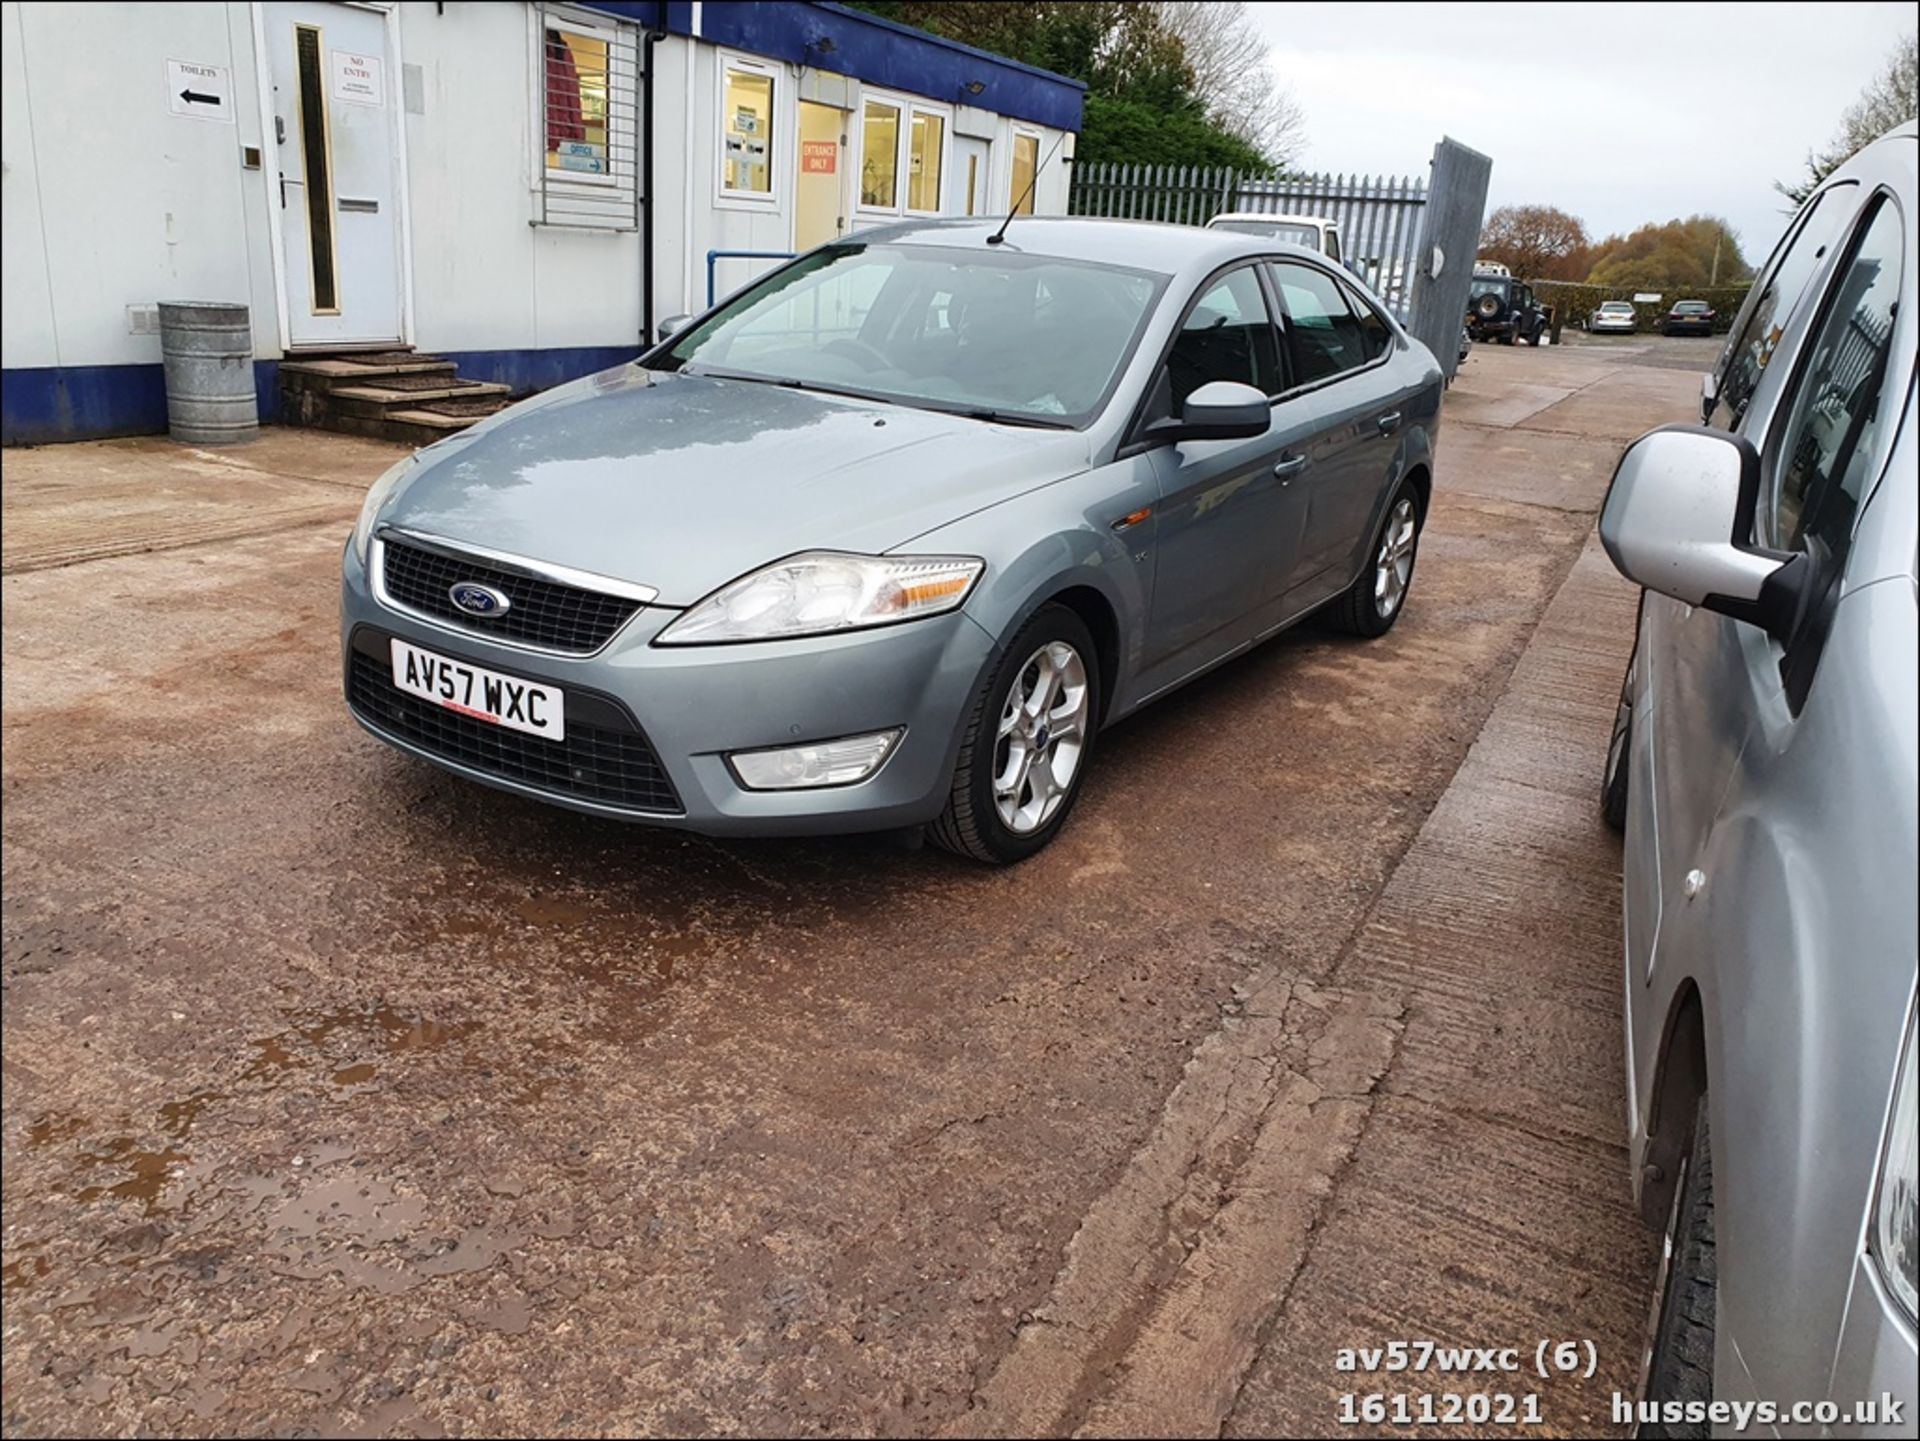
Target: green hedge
[{"x": 1576, "y": 302}]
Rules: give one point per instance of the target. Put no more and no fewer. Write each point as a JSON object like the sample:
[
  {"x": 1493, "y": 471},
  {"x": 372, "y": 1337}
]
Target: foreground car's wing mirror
[
  {"x": 671, "y": 327},
  {"x": 1218, "y": 410},
  {"x": 1676, "y": 521}
]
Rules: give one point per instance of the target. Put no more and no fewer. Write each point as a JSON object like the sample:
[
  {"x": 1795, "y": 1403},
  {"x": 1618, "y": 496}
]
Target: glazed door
[
  {"x": 967, "y": 186},
  {"x": 335, "y": 172},
  {"x": 820, "y": 211}
]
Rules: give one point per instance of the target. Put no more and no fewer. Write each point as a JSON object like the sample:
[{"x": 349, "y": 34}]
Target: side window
[
  {"x": 1826, "y": 448},
  {"x": 1323, "y": 333},
  {"x": 1756, "y": 333},
  {"x": 1376, "y": 336},
  {"x": 1820, "y": 459},
  {"x": 1227, "y": 336},
  {"x": 1333, "y": 245}
]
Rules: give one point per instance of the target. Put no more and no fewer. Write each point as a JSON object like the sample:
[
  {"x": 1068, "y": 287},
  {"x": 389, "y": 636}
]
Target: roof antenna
[{"x": 1032, "y": 180}]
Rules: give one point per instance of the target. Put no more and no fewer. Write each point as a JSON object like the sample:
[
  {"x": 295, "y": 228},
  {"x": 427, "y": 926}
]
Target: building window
[
  {"x": 880, "y": 155},
  {"x": 1026, "y": 161},
  {"x": 578, "y": 83},
  {"x": 746, "y": 131},
  {"x": 586, "y": 121},
  {"x": 928, "y": 144}
]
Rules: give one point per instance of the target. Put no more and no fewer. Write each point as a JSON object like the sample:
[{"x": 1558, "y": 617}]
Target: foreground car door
[
  {"x": 1797, "y": 910},
  {"x": 1224, "y": 513}
]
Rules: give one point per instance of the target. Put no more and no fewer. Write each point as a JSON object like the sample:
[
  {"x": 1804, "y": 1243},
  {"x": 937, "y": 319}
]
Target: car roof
[
  {"x": 1270, "y": 216},
  {"x": 1135, "y": 244}
]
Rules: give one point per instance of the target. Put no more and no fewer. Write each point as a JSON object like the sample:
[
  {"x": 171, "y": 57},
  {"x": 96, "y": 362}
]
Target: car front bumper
[{"x": 693, "y": 705}]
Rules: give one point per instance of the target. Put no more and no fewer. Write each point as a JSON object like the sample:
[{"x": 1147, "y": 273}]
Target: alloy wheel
[
  {"x": 1393, "y": 566},
  {"x": 1041, "y": 737}
]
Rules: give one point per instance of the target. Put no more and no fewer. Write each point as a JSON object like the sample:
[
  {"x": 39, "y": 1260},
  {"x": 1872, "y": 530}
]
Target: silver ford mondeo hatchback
[
  {"x": 888, "y": 538},
  {"x": 1764, "y": 766}
]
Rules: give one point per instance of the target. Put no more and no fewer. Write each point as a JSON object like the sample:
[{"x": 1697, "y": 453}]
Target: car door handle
[
  {"x": 1291, "y": 466},
  {"x": 1389, "y": 422}
]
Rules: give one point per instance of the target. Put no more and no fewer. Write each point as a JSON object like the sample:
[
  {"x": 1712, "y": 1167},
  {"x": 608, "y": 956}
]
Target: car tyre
[
  {"x": 1680, "y": 1356},
  {"x": 1371, "y": 605},
  {"x": 975, "y": 823},
  {"x": 1613, "y": 781}
]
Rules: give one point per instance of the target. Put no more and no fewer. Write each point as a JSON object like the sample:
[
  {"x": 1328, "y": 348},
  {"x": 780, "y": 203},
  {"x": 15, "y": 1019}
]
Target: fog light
[{"x": 823, "y": 763}]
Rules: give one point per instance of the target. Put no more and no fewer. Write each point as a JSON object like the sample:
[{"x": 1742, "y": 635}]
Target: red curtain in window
[{"x": 564, "y": 118}]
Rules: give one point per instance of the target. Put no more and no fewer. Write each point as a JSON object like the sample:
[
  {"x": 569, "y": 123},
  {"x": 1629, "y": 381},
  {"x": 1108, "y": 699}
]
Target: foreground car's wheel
[
  {"x": 1680, "y": 1355},
  {"x": 1613, "y": 783},
  {"x": 1026, "y": 744},
  {"x": 1374, "y": 601}
]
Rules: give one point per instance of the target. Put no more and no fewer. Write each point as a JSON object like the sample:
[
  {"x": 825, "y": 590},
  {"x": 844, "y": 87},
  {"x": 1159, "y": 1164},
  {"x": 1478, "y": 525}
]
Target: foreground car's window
[
  {"x": 1228, "y": 335},
  {"x": 1827, "y": 446},
  {"x": 1323, "y": 335},
  {"x": 1013, "y": 336},
  {"x": 1375, "y": 334},
  {"x": 1771, "y": 301},
  {"x": 1269, "y": 230}
]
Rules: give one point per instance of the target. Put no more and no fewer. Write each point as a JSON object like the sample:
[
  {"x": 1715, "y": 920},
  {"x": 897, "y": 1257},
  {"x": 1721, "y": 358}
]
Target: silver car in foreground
[
  {"x": 1764, "y": 768},
  {"x": 888, "y": 538}
]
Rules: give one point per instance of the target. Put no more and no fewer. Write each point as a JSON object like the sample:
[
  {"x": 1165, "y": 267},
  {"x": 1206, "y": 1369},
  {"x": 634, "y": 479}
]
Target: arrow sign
[{"x": 200, "y": 92}]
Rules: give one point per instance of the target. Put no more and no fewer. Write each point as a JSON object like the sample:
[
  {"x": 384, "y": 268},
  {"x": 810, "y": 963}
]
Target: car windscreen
[
  {"x": 1616, "y": 307},
  {"x": 1691, "y": 307},
  {"x": 1306, "y": 235},
  {"x": 1026, "y": 338}
]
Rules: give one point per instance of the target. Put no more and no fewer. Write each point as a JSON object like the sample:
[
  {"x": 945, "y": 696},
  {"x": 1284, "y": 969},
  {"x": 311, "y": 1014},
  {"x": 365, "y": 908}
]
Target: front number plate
[{"x": 486, "y": 695}]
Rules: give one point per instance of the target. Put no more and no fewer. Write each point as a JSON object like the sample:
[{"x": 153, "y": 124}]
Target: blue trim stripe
[
  {"x": 47, "y": 405},
  {"x": 866, "y": 47}
]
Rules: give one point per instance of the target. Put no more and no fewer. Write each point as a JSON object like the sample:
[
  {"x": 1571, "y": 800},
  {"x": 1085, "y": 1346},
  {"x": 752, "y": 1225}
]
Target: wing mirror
[
  {"x": 1218, "y": 410},
  {"x": 1677, "y": 519},
  {"x": 671, "y": 327}
]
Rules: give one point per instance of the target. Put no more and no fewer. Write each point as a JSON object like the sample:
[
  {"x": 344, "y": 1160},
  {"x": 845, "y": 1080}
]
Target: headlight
[
  {"x": 1895, "y": 1240},
  {"x": 822, "y": 592},
  {"x": 377, "y": 494}
]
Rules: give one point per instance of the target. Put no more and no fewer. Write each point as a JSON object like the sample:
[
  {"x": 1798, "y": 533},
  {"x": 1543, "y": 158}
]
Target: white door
[
  {"x": 967, "y": 190},
  {"x": 335, "y": 173}
]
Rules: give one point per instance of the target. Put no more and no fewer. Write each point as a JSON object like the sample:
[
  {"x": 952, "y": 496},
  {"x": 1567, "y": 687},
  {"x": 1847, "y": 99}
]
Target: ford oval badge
[{"x": 477, "y": 599}]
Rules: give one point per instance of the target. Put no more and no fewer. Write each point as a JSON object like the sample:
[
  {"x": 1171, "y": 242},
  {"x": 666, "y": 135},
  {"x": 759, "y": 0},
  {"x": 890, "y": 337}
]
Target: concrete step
[
  {"x": 389, "y": 394},
  {"x": 331, "y": 373},
  {"x": 384, "y": 398}
]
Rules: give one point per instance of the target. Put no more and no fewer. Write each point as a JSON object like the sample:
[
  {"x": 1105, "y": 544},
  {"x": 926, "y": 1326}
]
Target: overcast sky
[{"x": 1678, "y": 108}]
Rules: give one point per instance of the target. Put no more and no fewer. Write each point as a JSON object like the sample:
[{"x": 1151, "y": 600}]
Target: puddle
[
  {"x": 55, "y": 1126},
  {"x": 552, "y": 911},
  {"x": 20, "y": 1275},
  {"x": 309, "y": 1042},
  {"x": 177, "y": 1117},
  {"x": 151, "y": 1170}
]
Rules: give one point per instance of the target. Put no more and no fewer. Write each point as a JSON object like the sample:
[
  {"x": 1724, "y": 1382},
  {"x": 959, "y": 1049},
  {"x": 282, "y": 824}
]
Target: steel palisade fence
[{"x": 1378, "y": 218}]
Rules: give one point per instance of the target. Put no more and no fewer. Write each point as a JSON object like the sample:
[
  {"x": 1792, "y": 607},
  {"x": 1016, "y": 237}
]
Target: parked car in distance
[
  {"x": 890, "y": 537},
  {"x": 1688, "y": 317},
  {"x": 1309, "y": 230},
  {"x": 1615, "y": 316},
  {"x": 1764, "y": 768},
  {"x": 1502, "y": 309}
]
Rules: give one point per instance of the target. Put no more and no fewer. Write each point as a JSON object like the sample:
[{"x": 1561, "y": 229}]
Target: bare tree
[
  {"x": 1889, "y": 99},
  {"x": 1233, "y": 77},
  {"x": 1536, "y": 242}
]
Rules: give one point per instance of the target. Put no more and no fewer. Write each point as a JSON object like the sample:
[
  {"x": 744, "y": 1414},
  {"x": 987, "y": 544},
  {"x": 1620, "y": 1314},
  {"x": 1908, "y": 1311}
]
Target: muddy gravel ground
[{"x": 345, "y": 1097}]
